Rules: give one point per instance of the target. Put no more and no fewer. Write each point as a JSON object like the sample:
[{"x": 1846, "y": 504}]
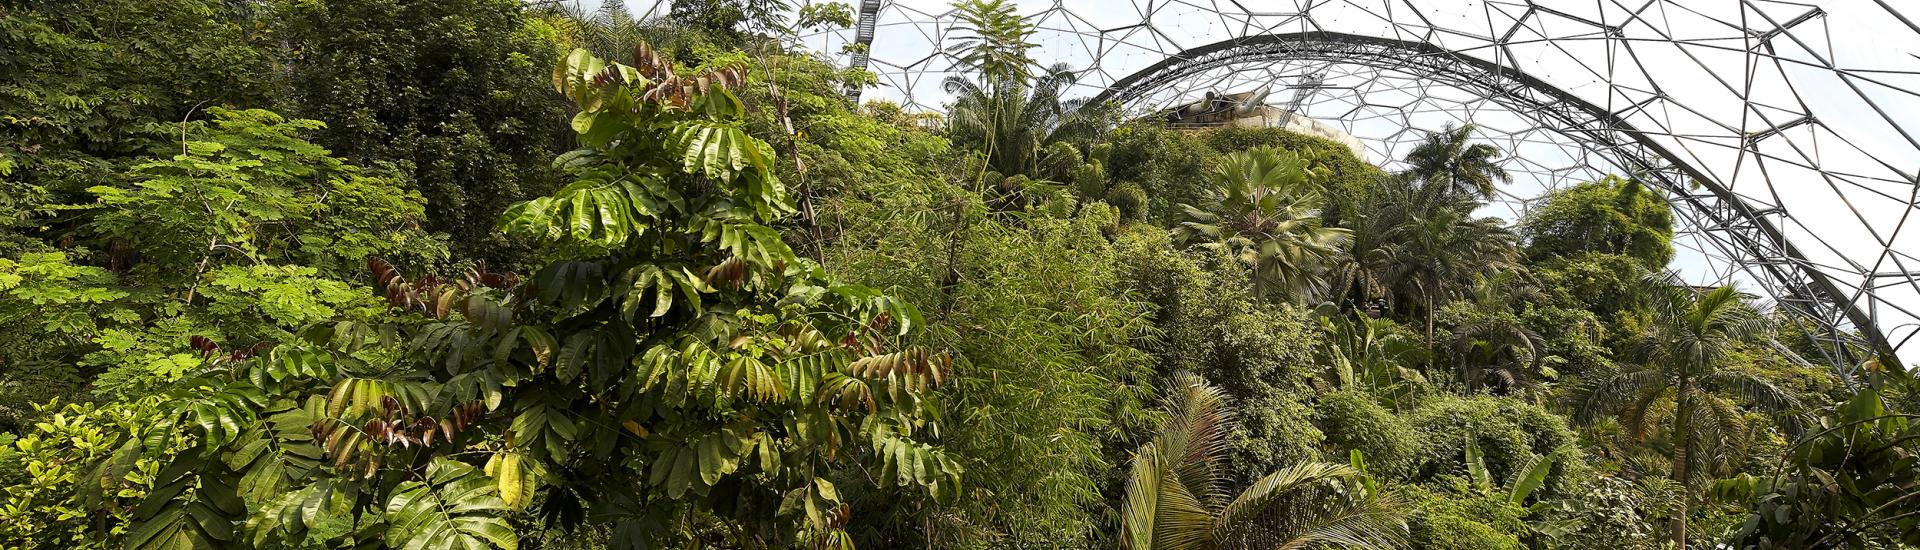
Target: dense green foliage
[
  {"x": 87, "y": 88},
  {"x": 1266, "y": 212},
  {"x": 1175, "y": 499},
  {"x": 1861, "y": 441},
  {"x": 483, "y": 274},
  {"x": 1611, "y": 216},
  {"x": 452, "y": 93}
]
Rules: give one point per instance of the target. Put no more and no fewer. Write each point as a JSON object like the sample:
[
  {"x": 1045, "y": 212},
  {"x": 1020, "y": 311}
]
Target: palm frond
[
  {"x": 1141, "y": 506},
  {"x": 1376, "y": 521},
  {"x": 1173, "y": 501},
  {"x": 1646, "y": 412},
  {"x": 1783, "y": 406},
  {"x": 1195, "y": 438},
  {"x": 1611, "y": 394},
  {"x": 1182, "y": 519},
  {"x": 1255, "y": 499}
]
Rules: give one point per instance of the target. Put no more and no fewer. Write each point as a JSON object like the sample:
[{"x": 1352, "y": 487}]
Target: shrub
[
  {"x": 1448, "y": 531},
  {"x": 1210, "y": 323},
  {"x": 1511, "y": 433},
  {"x": 1090, "y": 180},
  {"x": 1448, "y": 521},
  {"x": 1596, "y": 281},
  {"x": 1354, "y": 420},
  {"x": 1130, "y": 200},
  {"x": 1165, "y": 163},
  {"x": 1100, "y": 152},
  {"x": 1610, "y": 513},
  {"x": 1274, "y": 430}
]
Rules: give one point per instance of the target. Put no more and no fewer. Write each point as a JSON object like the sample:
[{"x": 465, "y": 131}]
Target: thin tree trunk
[
  {"x": 1429, "y": 330},
  {"x": 1682, "y": 439},
  {"x": 818, "y": 246},
  {"x": 951, "y": 280}
]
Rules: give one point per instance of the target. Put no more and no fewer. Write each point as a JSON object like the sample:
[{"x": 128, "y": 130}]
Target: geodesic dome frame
[
  {"x": 1784, "y": 133},
  {"x": 1746, "y": 234}
]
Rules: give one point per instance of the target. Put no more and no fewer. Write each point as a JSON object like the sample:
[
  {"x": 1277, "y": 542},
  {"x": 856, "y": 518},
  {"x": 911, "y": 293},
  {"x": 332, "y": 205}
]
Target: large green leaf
[
  {"x": 1530, "y": 479},
  {"x": 193, "y": 505},
  {"x": 1477, "y": 473},
  {"x": 291, "y": 516},
  {"x": 272, "y": 460},
  {"x": 542, "y": 426},
  {"x": 456, "y": 506}
]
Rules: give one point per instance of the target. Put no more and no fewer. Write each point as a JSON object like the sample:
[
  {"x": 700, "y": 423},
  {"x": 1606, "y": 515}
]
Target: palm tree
[
  {"x": 1682, "y": 384},
  {"x": 610, "y": 32},
  {"x": 1266, "y": 211},
  {"x": 1011, "y": 123},
  {"x": 1360, "y": 275},
  {"x": 1427, "y": 248},
  {"x": 1175, "y": 499},
  {"x": 1493, "y": 345},
  {"x": 1447, "y": 157}
]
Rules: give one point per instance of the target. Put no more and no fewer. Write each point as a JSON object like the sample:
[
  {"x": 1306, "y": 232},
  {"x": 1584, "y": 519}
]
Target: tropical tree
[
  {"x": 991, "y": 40},
  {"x": 1447, "y": 157},
  {"x": 612, "y": 30},
  {"x": 609, "y": 32},
  {"x": 1426, "y": 247},
  {"x": 453, "y": 93},
  {"x": 731, "y": 23},
  {"x": 1360, "y": 277},
  {"x": 1492, "y": 344},
  {"x": 88, "y": 84},
  {"x": 672, "y": 371},
  {"x": 1369, "y": 352},
  {"x": 1175, "y": 498},
  {"x": 1010, "y": 124},
  {"x": 1683, "y": 384},
  {"x": 1612, "y": 216},
  {"x": 1265, "y": 210},
  {"x": 1008, "y": 110}
]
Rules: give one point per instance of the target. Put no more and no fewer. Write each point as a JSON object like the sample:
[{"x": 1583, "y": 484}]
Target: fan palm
[
  {"x": 1266, "y": 211},
  {"x": 1175, "y": 499},
  {"x": 1682, "y": 384},
  {"x": 1447, "y": 157}
]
